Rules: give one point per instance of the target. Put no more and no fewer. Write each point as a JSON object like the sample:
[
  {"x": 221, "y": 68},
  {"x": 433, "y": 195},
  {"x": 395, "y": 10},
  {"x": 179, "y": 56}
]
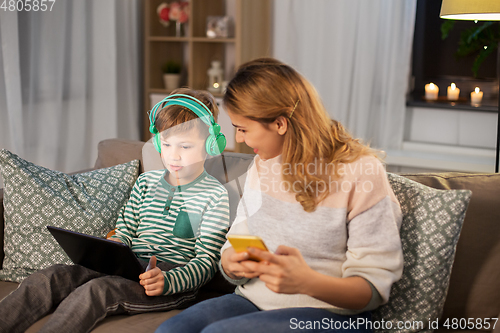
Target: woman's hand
[
  {"x": 284, "y": 272},
  {"x": 232, "y": 264},
  {"x": 152, "y": 280}
]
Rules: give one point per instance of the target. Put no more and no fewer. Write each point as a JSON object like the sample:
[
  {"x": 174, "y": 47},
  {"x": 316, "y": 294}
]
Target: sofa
[{"x": 473, "y": 289}]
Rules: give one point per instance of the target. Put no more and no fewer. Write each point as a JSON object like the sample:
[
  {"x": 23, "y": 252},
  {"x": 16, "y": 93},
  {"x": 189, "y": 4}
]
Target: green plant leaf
[
  {"x": 466, "y": 47},
  {"x": 476, "y": 31},
  {"x": 446, "y": 27},
  {"x": 171, "y": 67},
  {"x": 473, "y": 40},
  {"x": 483, "y": 54}
]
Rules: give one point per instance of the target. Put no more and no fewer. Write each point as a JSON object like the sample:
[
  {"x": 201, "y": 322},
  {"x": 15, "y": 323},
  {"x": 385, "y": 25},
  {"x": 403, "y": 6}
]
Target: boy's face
[{"x": 183, "y": 154}]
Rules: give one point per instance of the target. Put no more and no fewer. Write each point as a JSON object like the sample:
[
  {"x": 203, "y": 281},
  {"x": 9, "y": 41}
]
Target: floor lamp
[{"x": 477, "y": 10}]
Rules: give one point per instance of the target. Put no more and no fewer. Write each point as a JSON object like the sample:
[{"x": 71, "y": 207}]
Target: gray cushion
[
  {"x": 35, "y": 197},
  {"x": 474, "y": 288},
  {"x": 432, "y": 220}
]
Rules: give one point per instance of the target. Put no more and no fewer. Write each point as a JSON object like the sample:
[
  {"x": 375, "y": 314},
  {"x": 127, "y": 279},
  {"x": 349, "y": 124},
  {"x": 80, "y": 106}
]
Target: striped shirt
[{"x": 183, "y": 224}]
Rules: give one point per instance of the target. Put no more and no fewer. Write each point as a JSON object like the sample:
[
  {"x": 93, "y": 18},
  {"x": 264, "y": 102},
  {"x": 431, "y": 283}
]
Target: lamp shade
[{"x": 480, "y": 10}]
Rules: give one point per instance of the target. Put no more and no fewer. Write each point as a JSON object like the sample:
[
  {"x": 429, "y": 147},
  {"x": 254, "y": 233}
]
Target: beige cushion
[
  {"x": 6, "y": 288},
  {"x": 144, "y": 323}
]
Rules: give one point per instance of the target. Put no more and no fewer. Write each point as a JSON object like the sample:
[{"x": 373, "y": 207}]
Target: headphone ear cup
[
  {"x": 214, "y": 129},
  {"x": 215, "y": 145},
  {"x": 221, "y": 143},
  {"x": 156, "y": 142},
  {"x": 209, "y": 144}
]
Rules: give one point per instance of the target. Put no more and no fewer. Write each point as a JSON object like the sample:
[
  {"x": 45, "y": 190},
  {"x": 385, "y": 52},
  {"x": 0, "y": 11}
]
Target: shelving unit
[{"x": 252, "y": 39}]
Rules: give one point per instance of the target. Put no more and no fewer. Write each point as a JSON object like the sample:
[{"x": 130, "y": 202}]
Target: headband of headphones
[{"x": 216, "y": 141}]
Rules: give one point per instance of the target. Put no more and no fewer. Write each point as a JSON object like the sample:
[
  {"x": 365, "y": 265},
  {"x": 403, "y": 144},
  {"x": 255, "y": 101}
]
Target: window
[{"x": 434, "y": 59}]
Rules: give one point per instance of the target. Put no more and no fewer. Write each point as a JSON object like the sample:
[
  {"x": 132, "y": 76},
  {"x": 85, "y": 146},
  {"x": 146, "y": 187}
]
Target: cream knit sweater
[{"x": 353, "y": 232}]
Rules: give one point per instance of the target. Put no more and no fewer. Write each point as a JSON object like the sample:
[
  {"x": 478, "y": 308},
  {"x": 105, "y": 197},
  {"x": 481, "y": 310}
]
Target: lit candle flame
[
  {"x": 216, "y": 85},
  {"x": 431, "y": 86},
  {"x": 476, "y": 90},
  {"x": 453, "y": 86}
]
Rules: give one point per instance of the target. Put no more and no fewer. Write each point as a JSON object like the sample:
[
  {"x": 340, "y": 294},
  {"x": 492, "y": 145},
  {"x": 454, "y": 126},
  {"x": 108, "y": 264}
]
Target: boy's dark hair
[{"x": 176, "y": 118}]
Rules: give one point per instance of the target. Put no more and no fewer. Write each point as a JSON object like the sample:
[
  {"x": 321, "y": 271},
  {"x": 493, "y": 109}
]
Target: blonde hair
[
  {"x": 265, "y": 89},
  {"x": 176, "y": 118}
]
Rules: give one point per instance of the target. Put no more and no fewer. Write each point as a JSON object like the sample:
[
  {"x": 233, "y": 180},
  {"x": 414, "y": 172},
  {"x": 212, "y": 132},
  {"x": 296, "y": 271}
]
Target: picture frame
[{"x": 220, "y": 27}]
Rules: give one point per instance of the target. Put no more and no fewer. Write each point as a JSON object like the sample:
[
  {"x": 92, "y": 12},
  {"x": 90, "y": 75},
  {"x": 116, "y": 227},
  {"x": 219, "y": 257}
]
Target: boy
[{"x": 179, "y": 216}]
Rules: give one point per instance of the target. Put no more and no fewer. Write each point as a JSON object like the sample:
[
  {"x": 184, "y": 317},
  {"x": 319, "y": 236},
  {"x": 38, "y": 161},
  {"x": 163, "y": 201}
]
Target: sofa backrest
[
  {"x": 474, "y": 290},
  {"x": 228, "y": 168},
  {"x": 116, "y": 151}
]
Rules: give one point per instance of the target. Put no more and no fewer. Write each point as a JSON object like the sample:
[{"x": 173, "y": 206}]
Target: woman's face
[{"x": 265, "y": 139}]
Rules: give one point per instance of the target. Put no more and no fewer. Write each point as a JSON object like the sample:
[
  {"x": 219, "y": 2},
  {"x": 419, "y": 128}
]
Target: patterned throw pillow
[
  {"x": 35, "y": 197},
  {"x": 432, "y": 220}
]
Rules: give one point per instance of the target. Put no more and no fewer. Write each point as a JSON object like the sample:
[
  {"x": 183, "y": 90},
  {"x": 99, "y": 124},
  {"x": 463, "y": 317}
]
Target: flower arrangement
[{"x": 177, "y": 11}]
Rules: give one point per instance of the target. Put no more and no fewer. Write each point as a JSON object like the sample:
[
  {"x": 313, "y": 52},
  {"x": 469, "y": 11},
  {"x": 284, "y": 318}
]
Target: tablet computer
[{"x": 99, "y": 254}]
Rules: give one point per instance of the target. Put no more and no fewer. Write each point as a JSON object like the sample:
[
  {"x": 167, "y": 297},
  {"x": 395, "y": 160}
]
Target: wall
[{"x": 438, "y": 139}]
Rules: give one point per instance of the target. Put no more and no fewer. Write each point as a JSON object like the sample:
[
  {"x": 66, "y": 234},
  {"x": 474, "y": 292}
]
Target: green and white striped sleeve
[
  {"x": 200, "y": 269},
  {"x": 128, "y": 218}
]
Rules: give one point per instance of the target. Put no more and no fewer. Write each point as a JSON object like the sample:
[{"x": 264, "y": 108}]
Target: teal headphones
[{"x": 216, "y": 141}]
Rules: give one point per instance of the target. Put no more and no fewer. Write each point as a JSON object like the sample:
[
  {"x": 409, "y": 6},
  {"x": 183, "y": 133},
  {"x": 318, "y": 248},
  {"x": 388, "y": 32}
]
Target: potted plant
[
  {"x": 171, "y": 74},
  {"x": 481, "y": 40}
]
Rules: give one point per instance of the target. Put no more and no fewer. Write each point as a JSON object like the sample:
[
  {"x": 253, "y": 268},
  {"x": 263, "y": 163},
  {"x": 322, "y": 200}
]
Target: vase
[
  {"x": 178, "y": 26},
  {"x": 171, "y": 81}
]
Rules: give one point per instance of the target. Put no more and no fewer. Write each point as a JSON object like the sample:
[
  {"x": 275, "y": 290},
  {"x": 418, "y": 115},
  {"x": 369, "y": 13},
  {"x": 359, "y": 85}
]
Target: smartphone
[{"x": 241, "y": 243}]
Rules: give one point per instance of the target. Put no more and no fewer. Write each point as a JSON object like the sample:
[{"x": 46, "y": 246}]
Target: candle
[
  {"x": 453, "y": 92},
  {"x": 431, "y": 91},
  {"x": 476, "y": 96}
]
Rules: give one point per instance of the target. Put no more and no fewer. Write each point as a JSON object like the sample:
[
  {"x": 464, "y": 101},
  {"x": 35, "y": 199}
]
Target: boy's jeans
[{"x": 82, "y": 297}]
